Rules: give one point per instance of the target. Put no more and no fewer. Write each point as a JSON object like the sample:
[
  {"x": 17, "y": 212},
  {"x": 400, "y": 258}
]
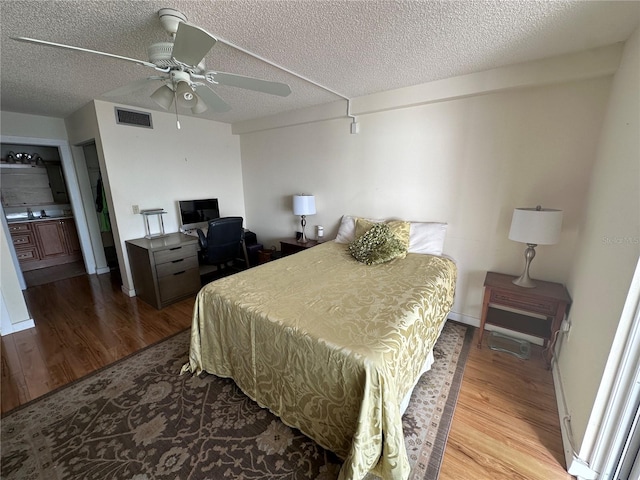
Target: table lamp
[
  {"x": 304, "y": 205},
  {"x": 534, "y": 226}
]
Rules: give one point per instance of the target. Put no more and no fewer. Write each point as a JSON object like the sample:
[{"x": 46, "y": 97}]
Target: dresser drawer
[
  {"x": 179, "y": 284},
  {"x": 175, "y": 253},
  {"x": 523, "y": 302},
  {"x": 176, "y": 266}
]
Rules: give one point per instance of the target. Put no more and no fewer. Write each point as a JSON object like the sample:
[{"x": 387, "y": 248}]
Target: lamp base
[
  {"x": 303, "y": 237},
  {"x": 524, "y": 280}
]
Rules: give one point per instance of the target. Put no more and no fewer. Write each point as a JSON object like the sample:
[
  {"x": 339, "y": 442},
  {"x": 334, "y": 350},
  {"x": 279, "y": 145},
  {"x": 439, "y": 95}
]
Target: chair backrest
[{"x": 224, "y": 238}]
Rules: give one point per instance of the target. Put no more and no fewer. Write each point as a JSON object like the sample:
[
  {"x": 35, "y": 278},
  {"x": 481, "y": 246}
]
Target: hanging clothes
[
  {"x": 102, "y": 209},
  {"x": 99, "y": 199}
]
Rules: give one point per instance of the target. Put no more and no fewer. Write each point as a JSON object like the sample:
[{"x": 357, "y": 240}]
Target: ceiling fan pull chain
[{"x": 175, "y": 103}]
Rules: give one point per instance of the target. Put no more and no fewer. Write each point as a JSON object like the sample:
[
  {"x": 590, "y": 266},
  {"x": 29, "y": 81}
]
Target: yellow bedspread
[{"x": 328, "y": 344}]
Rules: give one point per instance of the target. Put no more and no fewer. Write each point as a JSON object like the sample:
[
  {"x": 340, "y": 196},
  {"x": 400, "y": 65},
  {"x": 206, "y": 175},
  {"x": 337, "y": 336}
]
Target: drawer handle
[
  {"x": 178, "y": 261},
  {"x": 180, "y": 273},
  {"x": 175, "y": 248}
]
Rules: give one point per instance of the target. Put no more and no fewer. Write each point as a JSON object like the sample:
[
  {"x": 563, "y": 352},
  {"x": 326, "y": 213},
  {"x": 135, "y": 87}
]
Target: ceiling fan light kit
[
  {"x": 185, "y": 95},
  {"x": 199, "y": 107},
  {"x": 163, "y": 96}
]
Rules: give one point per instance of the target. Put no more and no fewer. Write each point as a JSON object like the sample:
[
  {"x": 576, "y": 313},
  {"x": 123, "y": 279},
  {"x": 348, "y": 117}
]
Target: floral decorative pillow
[
  {"x": 377, "y": 245},
  {"x": 399, "y": 228}
]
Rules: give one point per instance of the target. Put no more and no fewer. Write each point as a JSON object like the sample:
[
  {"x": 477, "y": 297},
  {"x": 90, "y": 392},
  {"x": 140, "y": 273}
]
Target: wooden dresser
[{"x": 164, "y": 269}]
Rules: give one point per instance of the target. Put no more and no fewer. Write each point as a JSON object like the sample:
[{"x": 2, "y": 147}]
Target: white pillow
[
  {"x": 427, "y": 237},
  {"x": 347, "y": 229},
  {"x": 424, "y": 237}
]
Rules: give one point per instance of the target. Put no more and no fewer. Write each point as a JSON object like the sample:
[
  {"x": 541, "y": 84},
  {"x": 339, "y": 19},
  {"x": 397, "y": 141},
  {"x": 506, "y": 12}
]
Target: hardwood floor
[
  {"x": 82, "y": 324},
  {"x": 41, "y": 276},
  {"x": 505, "y": 424}
]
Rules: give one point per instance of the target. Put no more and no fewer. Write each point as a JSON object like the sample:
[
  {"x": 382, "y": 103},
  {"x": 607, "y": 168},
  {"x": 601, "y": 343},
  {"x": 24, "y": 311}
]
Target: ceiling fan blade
[
  {"x": 211, "y": 99},
  {"x": 132, "y": 87},
  {"x": 248, "y": 83},
  {"x": 80, "y": 49},
  {"x": 191, "y": 44}
]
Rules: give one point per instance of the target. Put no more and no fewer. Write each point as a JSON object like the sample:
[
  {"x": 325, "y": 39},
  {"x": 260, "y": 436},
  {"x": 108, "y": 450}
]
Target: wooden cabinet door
[
  {"x": 70, "y": 235},
  {"x": 50, "y": 238}
]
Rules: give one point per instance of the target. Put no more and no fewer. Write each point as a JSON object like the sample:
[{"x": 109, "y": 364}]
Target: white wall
[
  {"x": 154, "y": 168},
  {"x": 607, "y": 252},
  {"x": 467, "y": 161},
  {"x": 13, "y": 308},
  {"x": 36, "y": 126}
]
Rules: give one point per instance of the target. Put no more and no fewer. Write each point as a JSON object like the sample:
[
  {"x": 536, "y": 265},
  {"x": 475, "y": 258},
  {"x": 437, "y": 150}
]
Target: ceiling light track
[{"x": 354, "y": 124}]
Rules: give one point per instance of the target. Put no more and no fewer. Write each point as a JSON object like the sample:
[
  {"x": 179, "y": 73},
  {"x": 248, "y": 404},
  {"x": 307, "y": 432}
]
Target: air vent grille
[{"x": 133, "y": 118}]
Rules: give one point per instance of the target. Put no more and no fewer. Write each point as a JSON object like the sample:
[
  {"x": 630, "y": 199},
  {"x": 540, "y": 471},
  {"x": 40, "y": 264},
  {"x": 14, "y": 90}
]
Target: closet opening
[{"x": 101, "y": 207}]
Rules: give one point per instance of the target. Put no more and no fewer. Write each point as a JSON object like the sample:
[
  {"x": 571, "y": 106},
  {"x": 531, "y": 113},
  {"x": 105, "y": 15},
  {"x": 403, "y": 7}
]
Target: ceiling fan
[{"x": 185, "y": 80}]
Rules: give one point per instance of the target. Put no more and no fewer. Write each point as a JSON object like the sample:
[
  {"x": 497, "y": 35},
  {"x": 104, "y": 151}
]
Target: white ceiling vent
[{"x": 131, "y": 117}]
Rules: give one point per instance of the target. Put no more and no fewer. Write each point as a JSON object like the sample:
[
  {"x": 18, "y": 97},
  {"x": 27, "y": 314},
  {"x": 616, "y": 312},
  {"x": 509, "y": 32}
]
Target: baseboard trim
[
  {"x": 127, "y": 292},
  {"x": 17, "y": 327},
  {"x": 466, "y": 319}
]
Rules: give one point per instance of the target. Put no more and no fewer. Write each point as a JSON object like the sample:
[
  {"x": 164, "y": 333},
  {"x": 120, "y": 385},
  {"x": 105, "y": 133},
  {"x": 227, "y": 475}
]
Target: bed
[{"x": 330, "y": 345}]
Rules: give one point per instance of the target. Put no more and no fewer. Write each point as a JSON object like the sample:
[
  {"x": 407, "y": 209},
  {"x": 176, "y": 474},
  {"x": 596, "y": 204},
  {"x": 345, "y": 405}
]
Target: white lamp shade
[
  {"x": 304, "y": 204},
  {"x": 537, "y": 226}
]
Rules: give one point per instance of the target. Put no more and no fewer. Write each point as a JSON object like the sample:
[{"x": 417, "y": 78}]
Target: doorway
[
  {"x": 37, "y": 207},
  {"x": 101, "y": 208}
]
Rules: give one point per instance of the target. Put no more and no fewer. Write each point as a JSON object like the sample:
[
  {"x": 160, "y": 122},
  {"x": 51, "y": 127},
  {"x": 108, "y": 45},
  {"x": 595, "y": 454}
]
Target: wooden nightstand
[
  {"x": 550, "y": 300},
  {"x": 289, "y": 246}
]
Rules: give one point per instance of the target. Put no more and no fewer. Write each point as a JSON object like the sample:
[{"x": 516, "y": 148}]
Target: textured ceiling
[{"x": 352, "y": 47}]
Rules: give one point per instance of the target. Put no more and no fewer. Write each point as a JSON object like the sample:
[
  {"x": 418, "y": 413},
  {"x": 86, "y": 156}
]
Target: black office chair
[{"x": 223, "y": 242}]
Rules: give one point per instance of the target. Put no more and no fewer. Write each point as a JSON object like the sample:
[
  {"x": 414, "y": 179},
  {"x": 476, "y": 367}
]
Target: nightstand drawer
[
  {"x": 175, "y": 253},
  {"x": 523, "y": 302},
  {"x": 175, "y": 266},
  {"x": 179, "y": 284}
]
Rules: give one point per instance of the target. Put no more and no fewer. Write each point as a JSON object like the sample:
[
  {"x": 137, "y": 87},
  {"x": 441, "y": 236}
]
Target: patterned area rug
[{"x": 138, "y": 419}]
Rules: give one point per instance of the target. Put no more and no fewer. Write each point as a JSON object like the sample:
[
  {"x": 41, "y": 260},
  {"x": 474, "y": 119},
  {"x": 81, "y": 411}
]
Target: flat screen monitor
[{"x": 197, "y": 213}]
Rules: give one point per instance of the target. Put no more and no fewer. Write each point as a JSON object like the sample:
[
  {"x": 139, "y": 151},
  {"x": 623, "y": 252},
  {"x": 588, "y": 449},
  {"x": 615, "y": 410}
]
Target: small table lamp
[
  {"x": 534, "y": 226},
  {"x": 304, "y": 205}
]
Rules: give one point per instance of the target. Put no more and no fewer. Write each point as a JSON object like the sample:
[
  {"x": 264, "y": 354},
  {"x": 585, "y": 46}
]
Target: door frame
[
  {"x": 614, "y": 433},
  {"x": 75, "y": 198}
]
